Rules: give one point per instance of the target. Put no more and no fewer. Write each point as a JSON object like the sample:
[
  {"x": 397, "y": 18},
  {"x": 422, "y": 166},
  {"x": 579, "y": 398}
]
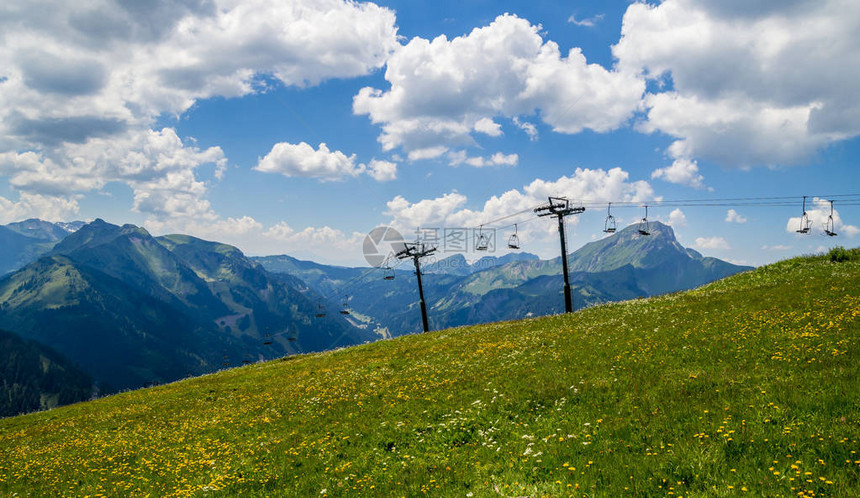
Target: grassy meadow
[{"x": 747, "y": 386}]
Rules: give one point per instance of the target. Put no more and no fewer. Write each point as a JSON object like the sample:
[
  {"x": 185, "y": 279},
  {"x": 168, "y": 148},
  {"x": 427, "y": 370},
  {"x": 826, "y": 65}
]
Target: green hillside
[
  {"x": 34, "y": 377},
  {"x": 744, "y": 386}
]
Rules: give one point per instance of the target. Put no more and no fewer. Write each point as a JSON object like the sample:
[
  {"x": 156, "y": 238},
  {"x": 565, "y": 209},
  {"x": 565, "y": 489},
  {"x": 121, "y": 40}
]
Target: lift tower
[
  {"x": 560, "y": 207},
  {"x": 416, "y": 251}
]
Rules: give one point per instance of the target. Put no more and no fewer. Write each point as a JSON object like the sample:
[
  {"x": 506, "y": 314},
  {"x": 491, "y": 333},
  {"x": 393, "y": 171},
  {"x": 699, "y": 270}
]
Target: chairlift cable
[{"x": 849, "y": 199}]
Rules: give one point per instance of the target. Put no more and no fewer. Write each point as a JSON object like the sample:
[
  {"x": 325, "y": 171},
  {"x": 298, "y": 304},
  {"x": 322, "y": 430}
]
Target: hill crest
[{"x": 742, "y": 377}]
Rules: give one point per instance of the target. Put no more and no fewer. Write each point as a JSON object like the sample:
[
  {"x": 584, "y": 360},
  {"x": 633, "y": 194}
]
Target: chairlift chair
[
  {"x": 609, "y": 224},
  {"x": 483, "y": 241},
  {"x": 320, "y": 309},
  {"x": 643, "y": 224},
  {"x": 388, "y": 273},
  {"x": 514, "y": 240},
  {"x": 345, "y": 310},
  {"x": 804, "y": 219},
  {"x": 830, "y": 227},
  {"x": 267, "y": 341}
]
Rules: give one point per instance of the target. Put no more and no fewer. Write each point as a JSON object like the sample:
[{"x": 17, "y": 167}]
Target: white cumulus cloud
[
  {"x": 450, "y": 209},
  {"x": 76, "y": 70},
  {"x": 157, "y": 165},
  {"x": 488, "y": 127},
  {"x": 83, "y": 83},
  {"x": 732, "y": 216},
  {"x": 50, "y": 208},
  {"x": 677, "y": 218},
  {"x": 718, "y": 243},
  {"x": 382, "y": 171},
  {"x": 497, "y": 159},
  {"x": 529, "y": 128},
  {"x": 442, "y": 90},
  {"x": 302, "y": 160},
  {"x": 749, "y": 83},
  {"x": 683, "y": 172}
]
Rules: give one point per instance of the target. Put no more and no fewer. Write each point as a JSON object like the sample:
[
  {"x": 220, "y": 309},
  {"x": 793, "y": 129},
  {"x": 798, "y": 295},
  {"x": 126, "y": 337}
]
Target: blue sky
[{"x": 207, "y": 117}]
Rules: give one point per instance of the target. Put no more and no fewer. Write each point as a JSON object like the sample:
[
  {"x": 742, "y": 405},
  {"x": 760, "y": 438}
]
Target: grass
[{"x": 745, "y": 386}]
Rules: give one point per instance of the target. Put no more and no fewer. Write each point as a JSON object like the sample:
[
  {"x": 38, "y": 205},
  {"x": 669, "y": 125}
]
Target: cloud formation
[
  {"x": 746, "y": 86},
  {"x": 322, "y": 243},
  {"x": 157, "y": 165},
  {"x": 49, "y": 208},
  {"x": 382, "y": 171},
  {"x": 717, "y": 243},
  {"x": 450, "y": 209},
  {"x": 82, "y": 83},
  {"x": 677, "y": 218},
  {"x": 497, "y": 159},
  {"x": 683, "y": 172},
  {"x": 441, "y": 91},
  {"x": 732, "y": 216},
  {"x": 588, "y": 22},
  {"x": 100, "y": 67},
  {"x": 302, "y": 160}
]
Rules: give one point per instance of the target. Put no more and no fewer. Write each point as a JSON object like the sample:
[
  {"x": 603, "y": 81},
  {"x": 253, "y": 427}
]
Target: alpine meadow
[
  {"x": 746, "y": 385},
  {"x": 404, "y": 248}
]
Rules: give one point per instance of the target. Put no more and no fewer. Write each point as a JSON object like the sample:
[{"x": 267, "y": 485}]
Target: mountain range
[
  {"x": 458, "y": 265},
  {"x": 621, "y": 266},
  {"x": 131, "y": 309},
  {"x": 24, "y": 241}
]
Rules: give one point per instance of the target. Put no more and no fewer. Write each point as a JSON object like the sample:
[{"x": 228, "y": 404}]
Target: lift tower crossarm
[
  {"x": 416, "y": 251},
  {"x": 560, "y": 207}
]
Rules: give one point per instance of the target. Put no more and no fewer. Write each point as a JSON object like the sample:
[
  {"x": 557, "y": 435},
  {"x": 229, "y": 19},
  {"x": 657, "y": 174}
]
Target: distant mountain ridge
[
  {"x": 458, "y": 265},
  {"x": 624, "y": 265},
  {"x": 24, "y": 241},
  {"x": 662, "y": 263},
  {"x": 40, "y": 229},
  {"x": 133, "y": 309}
]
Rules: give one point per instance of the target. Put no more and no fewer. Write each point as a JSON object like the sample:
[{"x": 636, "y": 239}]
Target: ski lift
[
  {"x": 514, "y": 240},
  {"x": 226, "y": 362},
  {"x": 804, "y": 219},
  {"x": 292, "y": 338},
  {"x": 483, "y": 241},
  {"x": 643, "y": 224},
  {"x": 609, "y": 224},
  {"x": 345, "y": 310},
  {"x": 320, "y": 309},
  {"x": 388, "y": 273},
  {"x": 267, "y": 341},
  {"x": 830, "y": 227},
  {"x": 247, "y": 359}
]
